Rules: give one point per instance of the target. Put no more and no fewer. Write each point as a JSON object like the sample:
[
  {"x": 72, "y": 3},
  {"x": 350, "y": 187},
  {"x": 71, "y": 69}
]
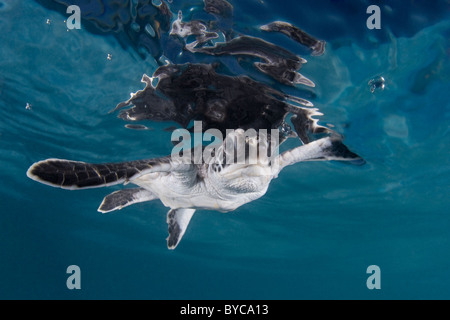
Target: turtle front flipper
[
  {"x": 74, "y": 175},
  {"x": 178, "y": 220},
  {"x": 124, "y": 198},
  {"x": 325, "y": 149}
]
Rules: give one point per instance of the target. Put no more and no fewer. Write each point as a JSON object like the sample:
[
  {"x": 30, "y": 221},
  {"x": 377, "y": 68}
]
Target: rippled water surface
[{"x": 319, "y": 226}]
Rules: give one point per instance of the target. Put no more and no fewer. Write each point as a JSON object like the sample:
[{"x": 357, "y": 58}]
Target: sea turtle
[
  {"x": 184, "y": 186},
  {"x": 197, "y": 92}
]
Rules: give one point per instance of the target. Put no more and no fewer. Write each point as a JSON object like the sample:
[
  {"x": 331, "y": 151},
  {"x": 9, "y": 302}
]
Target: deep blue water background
[{"x": 320, "y": 225}]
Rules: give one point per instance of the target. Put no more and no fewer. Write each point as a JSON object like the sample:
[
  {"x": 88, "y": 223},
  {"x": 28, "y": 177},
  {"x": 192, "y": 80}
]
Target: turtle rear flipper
[
  {"x": 124, "y": 198},
  {"x": 178, "y": 220}
]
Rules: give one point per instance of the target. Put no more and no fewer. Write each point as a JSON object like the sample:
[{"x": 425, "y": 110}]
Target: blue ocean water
[{"x": 319, "y": 226}]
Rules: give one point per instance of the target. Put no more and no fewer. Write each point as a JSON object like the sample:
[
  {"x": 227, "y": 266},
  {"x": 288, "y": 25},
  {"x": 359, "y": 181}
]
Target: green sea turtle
[{"x": 185, "y": 186}]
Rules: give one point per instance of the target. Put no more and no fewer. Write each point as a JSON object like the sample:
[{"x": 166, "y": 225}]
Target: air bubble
[{"x": 377, "y": 84}]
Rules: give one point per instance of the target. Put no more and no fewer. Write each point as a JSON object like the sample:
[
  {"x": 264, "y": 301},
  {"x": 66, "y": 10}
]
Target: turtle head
[{"x": 242, "y": 164}]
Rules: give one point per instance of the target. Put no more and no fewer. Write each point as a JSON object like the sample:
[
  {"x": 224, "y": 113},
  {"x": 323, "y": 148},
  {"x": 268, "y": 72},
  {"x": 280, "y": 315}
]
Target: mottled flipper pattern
[
  {"x": 178, "y": 220},
  {"x": 123, "y": 198},
  {"x": 73, "y": 175}
]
